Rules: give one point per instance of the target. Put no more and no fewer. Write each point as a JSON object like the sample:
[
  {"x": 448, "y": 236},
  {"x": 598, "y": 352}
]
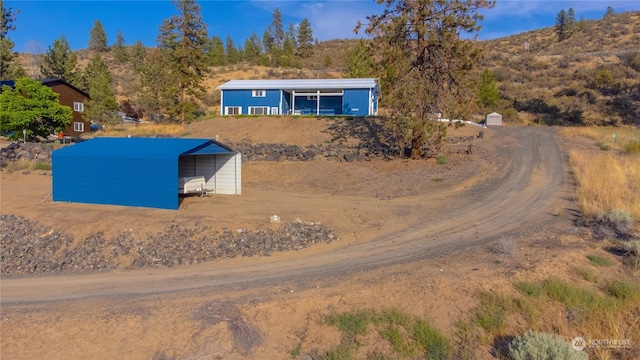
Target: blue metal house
[
  {"x": 357, "y": 97},
  {"x": 143, "y": 172}
]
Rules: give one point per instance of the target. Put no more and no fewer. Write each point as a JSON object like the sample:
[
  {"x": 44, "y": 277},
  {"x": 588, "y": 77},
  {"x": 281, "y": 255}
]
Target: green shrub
[
  {"x": 597, "y": 260},
  {"x": 603, "y": 145},
  {"x": 542, "y": 346},
  {"x": 442, "y": 160},
  {"x": 436, "y": 346},
  {"x": 491, "y": 313},
  {"x": 350, "y": 323},
  {"x": 529, "y": 289},
  {"x": 623, "y": 290}
]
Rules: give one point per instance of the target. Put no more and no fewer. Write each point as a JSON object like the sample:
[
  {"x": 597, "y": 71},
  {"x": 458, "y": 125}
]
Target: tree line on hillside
[
  {"x": 415, "y": 48},
  {"x": 183, "y": 57}
]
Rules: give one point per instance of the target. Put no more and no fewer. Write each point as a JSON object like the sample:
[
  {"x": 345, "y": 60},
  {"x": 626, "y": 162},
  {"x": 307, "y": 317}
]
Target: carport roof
[
  {"x": 295, "y": 84},
  {"x": 140, "y": 148}
]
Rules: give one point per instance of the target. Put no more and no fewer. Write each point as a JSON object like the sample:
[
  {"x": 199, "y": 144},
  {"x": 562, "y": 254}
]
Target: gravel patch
[{"x": 28, "y": 248}]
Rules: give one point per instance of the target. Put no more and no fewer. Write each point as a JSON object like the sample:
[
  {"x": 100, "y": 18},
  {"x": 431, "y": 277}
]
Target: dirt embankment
[{"x": 413, "y": 235}]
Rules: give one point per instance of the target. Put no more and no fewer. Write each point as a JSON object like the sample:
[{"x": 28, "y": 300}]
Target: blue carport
[{"x": 141, "y": 172}]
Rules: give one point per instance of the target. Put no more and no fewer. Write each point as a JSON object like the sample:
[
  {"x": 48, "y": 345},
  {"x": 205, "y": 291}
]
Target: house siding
[
  {"x": 244, "y": 99},
  {"x": 356, "y": 102},
  {"x": 67, "y": 96}
]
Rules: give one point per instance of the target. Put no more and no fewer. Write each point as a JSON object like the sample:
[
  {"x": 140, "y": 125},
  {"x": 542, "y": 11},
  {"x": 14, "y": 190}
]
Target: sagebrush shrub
[{"x": 543, "y": 346}]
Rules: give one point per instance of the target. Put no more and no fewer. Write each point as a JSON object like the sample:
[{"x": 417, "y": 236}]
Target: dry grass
[
  {"x": 606, "y": 181},
  {"x": 142, "y": 130}
]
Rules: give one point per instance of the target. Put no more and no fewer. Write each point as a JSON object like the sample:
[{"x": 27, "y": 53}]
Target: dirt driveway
[{"x": 399, "y": 222}]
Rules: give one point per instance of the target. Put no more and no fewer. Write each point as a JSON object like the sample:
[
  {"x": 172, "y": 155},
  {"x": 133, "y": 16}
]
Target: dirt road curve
[{"x": 517, "y": 199}]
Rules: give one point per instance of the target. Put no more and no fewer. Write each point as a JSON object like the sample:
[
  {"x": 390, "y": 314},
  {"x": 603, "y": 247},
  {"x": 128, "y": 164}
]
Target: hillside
[{"x": 593, "y": 77}]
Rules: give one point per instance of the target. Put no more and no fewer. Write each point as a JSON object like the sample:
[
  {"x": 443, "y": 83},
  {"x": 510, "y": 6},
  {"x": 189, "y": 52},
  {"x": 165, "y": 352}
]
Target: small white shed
[{"x": 493, "y": 119}]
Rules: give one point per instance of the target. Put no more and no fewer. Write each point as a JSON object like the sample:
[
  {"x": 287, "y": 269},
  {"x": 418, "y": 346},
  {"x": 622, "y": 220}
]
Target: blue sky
[{"x": 39, "y": 23}]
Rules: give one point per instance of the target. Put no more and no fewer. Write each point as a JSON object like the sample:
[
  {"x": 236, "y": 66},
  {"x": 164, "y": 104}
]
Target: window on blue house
[
  {"x": 258, "y": 110},
  {"x": 232, "y": 110},
  {"x": 258, "y": 93}
]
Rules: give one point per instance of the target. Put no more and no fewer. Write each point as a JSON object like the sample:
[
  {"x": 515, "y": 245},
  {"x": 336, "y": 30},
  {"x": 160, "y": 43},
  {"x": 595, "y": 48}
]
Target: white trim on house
[
  {"x": 78, "y": 126},
  {"x": 78, "y": 106},
  {"x": 258, "y": 93},
  {"x": 290, "y": 84}
]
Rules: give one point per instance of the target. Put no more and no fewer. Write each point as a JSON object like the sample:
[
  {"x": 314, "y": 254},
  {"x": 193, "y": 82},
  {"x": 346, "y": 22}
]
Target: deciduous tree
[
  {"x": 488, "y": 94},
  {"x": 424, "y": 64},
  {"x": 32, "y": 107},
  {"x": 184, "y": 38}
]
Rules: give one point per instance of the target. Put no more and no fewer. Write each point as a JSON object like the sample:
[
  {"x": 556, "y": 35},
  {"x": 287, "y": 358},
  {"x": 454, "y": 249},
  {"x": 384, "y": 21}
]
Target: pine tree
[
  {"x": 488, "y": 94},
  {"x": 138, "y": 54},
  {"x": 215, "y": 52},
  {"x": 98, "y": 37},
  {"x": 184, "y": 38},
  {"x": 305, "y": 39},
  {"x": 561, "y": 26},
  {"x": 120, "y": 52},
  {"x": 158, "y": 88},
  {"x": 9, "y": 68},
  {"x": 571, "y": 21},
  {"x": 60, "y": 62},
  {"x": 231, "y": 52},
  {"x": 425, "y": 65},
  {"x": 276, "y": 29},
  {"x": 610, "y": 11},
  {"x": 253, "y": 48},
  {"x": 99, "y": 82},
  {"x": 292, "y": 35},
  {"x": 267, "y": 41},
  {"x": 359, "y": 61}
]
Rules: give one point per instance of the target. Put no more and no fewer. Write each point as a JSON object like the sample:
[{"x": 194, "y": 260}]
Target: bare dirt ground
[{"x": 413, "y": 235}]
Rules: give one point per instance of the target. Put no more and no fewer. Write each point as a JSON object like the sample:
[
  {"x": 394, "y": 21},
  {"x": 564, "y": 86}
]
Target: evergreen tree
[
  {"x": 60, "y": 62},
  {"x": 33, "y": 107},
  {"x": 99, "y": 83},
  {"x": 359, "y": 61},
  {"x": 253, "y": 48},
  {"x": 562, "y": 25},
  {"x": 98, "y": 37},
  {"x": 305, "y": 39},
  {"x": 327, "y": 61},
  {"x": 424, "y": 65},
  {"x": 571, "y": 21},
  {"x": 610, "y": 11},
  {"x": 138, "y": 54},
  {"x": 9, "y": 68},
  {"x": 158, "y": 88},
  {"x": 292, "y": 35},
  {"x": 120, "y": 52},
  {"x": 215, "y": 52},
  {"x": 267, "y": 41},
  {"x": 231, "y": 52},
  {"x": 276, "y": 29},
  {"x": 488, "y": 94},
  {"x": 184, "y": 38}
]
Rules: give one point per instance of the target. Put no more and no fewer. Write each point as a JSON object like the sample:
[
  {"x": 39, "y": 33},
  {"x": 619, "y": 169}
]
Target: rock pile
[
  {"x": 25, "y": 151},
  {"x": 27, "y": 247},
  {"x": 331, "y": 152}
]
